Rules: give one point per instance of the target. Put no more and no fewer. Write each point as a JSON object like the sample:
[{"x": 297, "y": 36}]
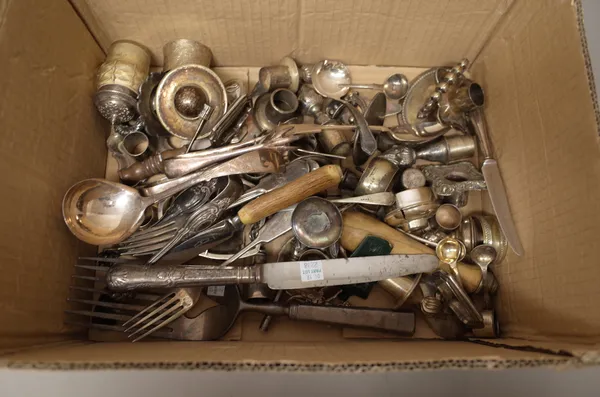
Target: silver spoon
[
  {"x": 328, "y": 77},
  {"x": 394, "y": 87},
  {"x": 484, "y": 255},
  {"x": 101, "y": 212}
]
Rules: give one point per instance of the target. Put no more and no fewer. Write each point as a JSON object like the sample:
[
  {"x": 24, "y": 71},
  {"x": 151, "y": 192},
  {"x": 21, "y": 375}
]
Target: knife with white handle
[
  {"x": 495, "y": 185},
  {"x": 281, "y": 275}
]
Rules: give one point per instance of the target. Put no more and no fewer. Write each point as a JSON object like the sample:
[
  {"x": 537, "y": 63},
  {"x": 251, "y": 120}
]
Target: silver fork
[
  {"x": 120, "y": 312},
  {"x": 159, "y": 242},
  {"x": 133, "y": 318},
  {"x": 162, "y": 312}
]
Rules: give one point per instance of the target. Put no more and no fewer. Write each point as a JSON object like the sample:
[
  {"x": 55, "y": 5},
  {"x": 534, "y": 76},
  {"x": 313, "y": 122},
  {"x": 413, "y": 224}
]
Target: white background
[{"x": 533, "y": 382}]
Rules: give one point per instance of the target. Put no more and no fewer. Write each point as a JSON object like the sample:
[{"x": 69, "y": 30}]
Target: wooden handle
[
  {"x": 357, "y": 226},
  {"x": 291, "y": 193},
  {"x": 379, "y": 319},
  {"x": 151, "y": 166}
]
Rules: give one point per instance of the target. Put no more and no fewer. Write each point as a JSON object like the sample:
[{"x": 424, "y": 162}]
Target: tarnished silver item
[
  {"x": 277, "y": 107},
  {"x": 448, "y": 80},
  {"x": 183, "y": 52},
  {"x": 453, "y": 182},
  {"x": 118, "y": 80},
  {"x": 284, "y": 75}
]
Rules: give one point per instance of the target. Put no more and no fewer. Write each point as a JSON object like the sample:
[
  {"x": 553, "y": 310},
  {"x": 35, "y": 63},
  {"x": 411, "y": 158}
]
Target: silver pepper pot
[{"x": 311, "y": 104}]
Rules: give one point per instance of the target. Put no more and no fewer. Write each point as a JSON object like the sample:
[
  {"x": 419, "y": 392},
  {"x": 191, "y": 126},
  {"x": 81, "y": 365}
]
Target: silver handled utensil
[{"x": 279, "y": 275}]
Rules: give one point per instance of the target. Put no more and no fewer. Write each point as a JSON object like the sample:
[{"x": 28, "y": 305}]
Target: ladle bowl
[
  {"x": 101, "y": 212},
  {"x": 396, "y": 86}
]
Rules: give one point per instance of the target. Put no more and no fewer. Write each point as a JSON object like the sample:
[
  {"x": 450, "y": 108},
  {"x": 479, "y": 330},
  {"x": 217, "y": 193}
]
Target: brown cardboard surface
[
  {"x": 539, "y": 110},
  {"x": 51, "y": 138},
  {"x": 542, "y": 120},
  {"x": 258, "y": 33},
  {"x": 293, "y": 353}
]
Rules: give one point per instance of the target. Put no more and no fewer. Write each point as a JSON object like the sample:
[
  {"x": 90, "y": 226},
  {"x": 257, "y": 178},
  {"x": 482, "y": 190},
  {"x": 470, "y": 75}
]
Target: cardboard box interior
[{"x": 529, "y": 56}]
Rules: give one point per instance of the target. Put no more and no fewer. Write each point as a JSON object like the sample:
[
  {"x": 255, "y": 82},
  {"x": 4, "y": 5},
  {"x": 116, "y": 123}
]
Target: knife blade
[
  {"x": 323, "y": 273},
  {"x": 495, "y": 185},
  {"x": 497, "y": 192}
]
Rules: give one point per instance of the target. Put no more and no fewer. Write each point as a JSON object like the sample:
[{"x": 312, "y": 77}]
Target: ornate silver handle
[
  {"x": 368, "y": 143},
  {"x": 187, "y": 163},
  {"x": 125, "y": 277},
  {"x": 442, "y": 87}
]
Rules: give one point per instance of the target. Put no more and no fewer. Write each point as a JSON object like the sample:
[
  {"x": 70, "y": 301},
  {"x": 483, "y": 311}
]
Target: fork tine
[
  {"x": 146, "y": 234},
  {"x": 86, "y": 289},
  {"x": 148, "y": 320},
  {"x": 111, "y": 305},
  {"x": 80, "y": 277},
  {"x": 103, "y": 327},
  {"x": 117, "y": 328},
  {"x": 145, "y": 242},
  {"x": 158, "y": 302},
  {"x": 159, "y": 326},
  {"x": 137, "y": 296},
  {"x": 107, "y": 260},
  {"x": 144, "y": 250},
  {"x": 106, "y": 316},
  {"x": 151, "y": 229},
  {"x": 179, "y": 309},
  {"x": 91, "y": 267}
]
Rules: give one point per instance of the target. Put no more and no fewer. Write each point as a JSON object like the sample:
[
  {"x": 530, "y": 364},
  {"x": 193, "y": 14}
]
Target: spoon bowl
[
  {"x": 330, "y": 77},
  {"x": 101, "y": 212},
  {"x": 483, "y": 256},
  {"x": 395, "y": 87}
]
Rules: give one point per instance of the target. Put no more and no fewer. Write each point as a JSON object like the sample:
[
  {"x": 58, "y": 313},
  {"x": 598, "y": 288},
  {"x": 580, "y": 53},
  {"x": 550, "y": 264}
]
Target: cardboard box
[{"x": 530, "y": 56}]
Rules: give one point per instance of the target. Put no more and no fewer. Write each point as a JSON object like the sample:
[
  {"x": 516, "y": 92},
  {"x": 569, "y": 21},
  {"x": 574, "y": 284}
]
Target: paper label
[
  {"x": 311, "y": 270},
  {"x": 216, "y": 290}
]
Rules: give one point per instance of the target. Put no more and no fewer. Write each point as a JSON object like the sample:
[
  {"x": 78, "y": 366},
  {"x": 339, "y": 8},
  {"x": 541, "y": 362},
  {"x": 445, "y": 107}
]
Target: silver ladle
[
  {"x": 484, "y": 255},
  {"x": 394, "y": 87},
  {"x": 102, "y": 212}
]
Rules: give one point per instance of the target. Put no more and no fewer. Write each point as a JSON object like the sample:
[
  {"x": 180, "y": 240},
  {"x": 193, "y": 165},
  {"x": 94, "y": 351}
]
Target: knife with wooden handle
[{"x": 357, "y": 226}]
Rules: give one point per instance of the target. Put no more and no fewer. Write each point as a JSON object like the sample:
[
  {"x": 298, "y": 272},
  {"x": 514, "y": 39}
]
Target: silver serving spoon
[
  {"x": 394, "y": 87},
  {"x": 484, "y": 255},
  {"x": 102, "y": 212}
]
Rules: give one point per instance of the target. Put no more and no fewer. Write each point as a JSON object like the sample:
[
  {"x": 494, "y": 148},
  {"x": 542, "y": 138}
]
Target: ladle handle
[
  {"x": 194, "y": 161},
  {"x": 151, "y": 166},
  {"x": 256, "y": 161},
  {"x": 363, "y": 86},
  {"x": 379, "y": 319},
  {"x": 307, "y": 185},
  {"x": 357, "y": 226},
  {"x": 126, "y": 277}
]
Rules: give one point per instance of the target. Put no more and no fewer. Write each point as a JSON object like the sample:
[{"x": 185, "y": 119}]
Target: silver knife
[
  {"x": 281, "y": 275},
  {"x": 495, "y": 185}
]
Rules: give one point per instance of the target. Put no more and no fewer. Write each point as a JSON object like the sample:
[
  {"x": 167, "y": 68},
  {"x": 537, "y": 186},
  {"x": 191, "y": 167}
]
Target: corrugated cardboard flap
[
  {"x": 362, "y": 356},
  {"x": 258, "y": 33},
  {"x": 543, "y": 123}
]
